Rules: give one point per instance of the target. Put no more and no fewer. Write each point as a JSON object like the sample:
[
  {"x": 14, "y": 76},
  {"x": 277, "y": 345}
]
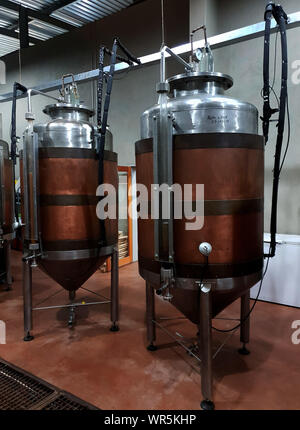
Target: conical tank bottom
[
  {"x": 71, "y": 274},
  {"x": 188, "y": 302}
]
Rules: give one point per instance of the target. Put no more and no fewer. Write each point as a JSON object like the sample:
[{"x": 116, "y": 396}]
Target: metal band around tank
[
  {"x": 231, "y": 207},
  {"x": 81, "y": 153},
  {"x": 70, "y": 245},
  {"x": 219, "y": 284},
  {"x": 79, "y": 254},
  {"x": 9, "y": 236},
  {"x": 212, "y": 271},
  {"x": 207, "y": 140},
  {"x": 225, "y": 207},
  {"x": 68, "y": 200}
]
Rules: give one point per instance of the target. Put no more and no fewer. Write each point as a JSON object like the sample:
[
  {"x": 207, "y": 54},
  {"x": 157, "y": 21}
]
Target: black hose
[
  {"x": 126, "y": 52},
  {"x": 13, "y": 134},
  {"x": 281, "y": 19}
]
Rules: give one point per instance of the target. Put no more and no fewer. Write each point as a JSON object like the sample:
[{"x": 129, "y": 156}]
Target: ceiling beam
[
  {"x": 37, "y": 15},
  {"x": 23, "y": 28},
  {"x": 58, "y": 4},
  {"x": 15, "y": 35}
]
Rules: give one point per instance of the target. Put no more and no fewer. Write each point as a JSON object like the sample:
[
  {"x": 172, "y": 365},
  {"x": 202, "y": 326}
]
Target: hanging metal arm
[
  {"x": 13, "y": 137},
  {"x": 102, "y": 119},
  {"x": 180, "y": 60}
]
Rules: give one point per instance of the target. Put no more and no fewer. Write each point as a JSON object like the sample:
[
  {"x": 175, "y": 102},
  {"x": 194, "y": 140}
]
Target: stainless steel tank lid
[
  {"x": 195, "y": 80},
  {"x": 67, "y": 107}
]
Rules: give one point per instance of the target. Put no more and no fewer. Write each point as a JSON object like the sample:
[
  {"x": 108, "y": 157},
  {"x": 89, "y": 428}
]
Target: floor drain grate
[
  {"x": 20, "y": 390},
  {"x": 64, "y": 403}
]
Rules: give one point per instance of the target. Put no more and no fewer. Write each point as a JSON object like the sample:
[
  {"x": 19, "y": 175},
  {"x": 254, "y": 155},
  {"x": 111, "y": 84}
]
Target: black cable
[
  {"x": 289, "y": 134},
  {"x": 275, "y": 58},
  {"x": 268, "y": 112},
  {"x": 252, "y": 308},
  {"x": 281, "y": 18},
  {"x": 275, "y": 95}
]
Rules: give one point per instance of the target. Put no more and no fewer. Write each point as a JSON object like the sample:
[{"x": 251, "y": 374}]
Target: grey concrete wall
[
  {"x": 232, "y": 14},
  {"x": 204, "y": 12}
]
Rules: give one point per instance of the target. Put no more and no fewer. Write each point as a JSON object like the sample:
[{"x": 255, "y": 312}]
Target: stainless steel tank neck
[
  {"x": 196, "y": 83},
  {"x": 69, "y": 112}
]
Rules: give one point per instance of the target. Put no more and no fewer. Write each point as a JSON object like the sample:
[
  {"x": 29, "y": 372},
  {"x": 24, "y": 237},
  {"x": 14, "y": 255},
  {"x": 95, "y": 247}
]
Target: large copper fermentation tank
[
  {"x": 60, "y": 176},
  {"x": 215, "y": 142},
  {"x": 7, "y": 219}
]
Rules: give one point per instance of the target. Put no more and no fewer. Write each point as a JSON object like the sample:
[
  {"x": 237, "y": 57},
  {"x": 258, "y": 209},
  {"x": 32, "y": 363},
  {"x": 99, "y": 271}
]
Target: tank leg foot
[
  {"x": 243, "y": 350},
  {"x": 114, "y": 327},
  {"x": 151, "y": 347},
  {"x": 27, "y": 300},
  {"x": 72, "y": 315},
  {"x": 207, "y": 405},
  {"x": 114, "y": 310},
  {"x": 245, "y": 323},
  {"x": 150, "y": 317},
  {"x": 72, "y": 318},
  {"x": 205, "y": 345},
  {"x": 28, "y": 337}
]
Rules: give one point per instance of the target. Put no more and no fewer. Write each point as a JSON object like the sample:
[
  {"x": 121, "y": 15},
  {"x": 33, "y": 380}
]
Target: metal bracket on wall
[{"x": 229, "y": 38}]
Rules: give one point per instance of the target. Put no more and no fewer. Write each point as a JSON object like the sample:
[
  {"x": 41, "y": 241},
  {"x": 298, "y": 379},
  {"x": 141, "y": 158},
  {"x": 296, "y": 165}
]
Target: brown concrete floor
[{"x": 115, "y": 371}]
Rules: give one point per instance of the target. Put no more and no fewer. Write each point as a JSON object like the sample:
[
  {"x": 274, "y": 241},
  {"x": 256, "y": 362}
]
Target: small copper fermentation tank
[
  {"x": 60, "y": 168},
  {"x": 71, "y": 233}
]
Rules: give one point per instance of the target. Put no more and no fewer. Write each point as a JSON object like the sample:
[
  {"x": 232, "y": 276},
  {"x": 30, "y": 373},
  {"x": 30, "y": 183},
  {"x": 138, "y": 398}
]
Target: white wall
[{"x": 281, "y": 283}]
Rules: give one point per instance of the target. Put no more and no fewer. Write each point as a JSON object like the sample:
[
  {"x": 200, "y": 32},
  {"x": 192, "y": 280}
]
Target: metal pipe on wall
[{"x": 235, "y": 36}]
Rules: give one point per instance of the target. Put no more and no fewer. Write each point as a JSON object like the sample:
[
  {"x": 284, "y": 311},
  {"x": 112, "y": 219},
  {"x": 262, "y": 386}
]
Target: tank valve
[
  {"x": 160, "y": 290},
  {"x": 168, "y": 280},
  {"x": 32, "y": 258},
  {"x": 205, "y": 248}
]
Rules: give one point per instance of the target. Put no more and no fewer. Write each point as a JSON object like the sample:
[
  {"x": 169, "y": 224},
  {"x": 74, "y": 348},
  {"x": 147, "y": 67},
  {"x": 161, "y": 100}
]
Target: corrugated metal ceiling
[{"x": 75, "y": 13}]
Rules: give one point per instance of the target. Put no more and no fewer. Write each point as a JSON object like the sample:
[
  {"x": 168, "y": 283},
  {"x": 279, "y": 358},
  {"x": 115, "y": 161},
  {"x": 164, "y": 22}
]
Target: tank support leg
[
  {"x": 27, "y": 297},
  {"x": 245, "y": 323},
  {"x": 8, "y": 265},
  {"x": 72, "y": 316},
  {"x": 115, "y": 290},
  {"x": 205, "y": 346},
  {"x": 150, "y": 316}
]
